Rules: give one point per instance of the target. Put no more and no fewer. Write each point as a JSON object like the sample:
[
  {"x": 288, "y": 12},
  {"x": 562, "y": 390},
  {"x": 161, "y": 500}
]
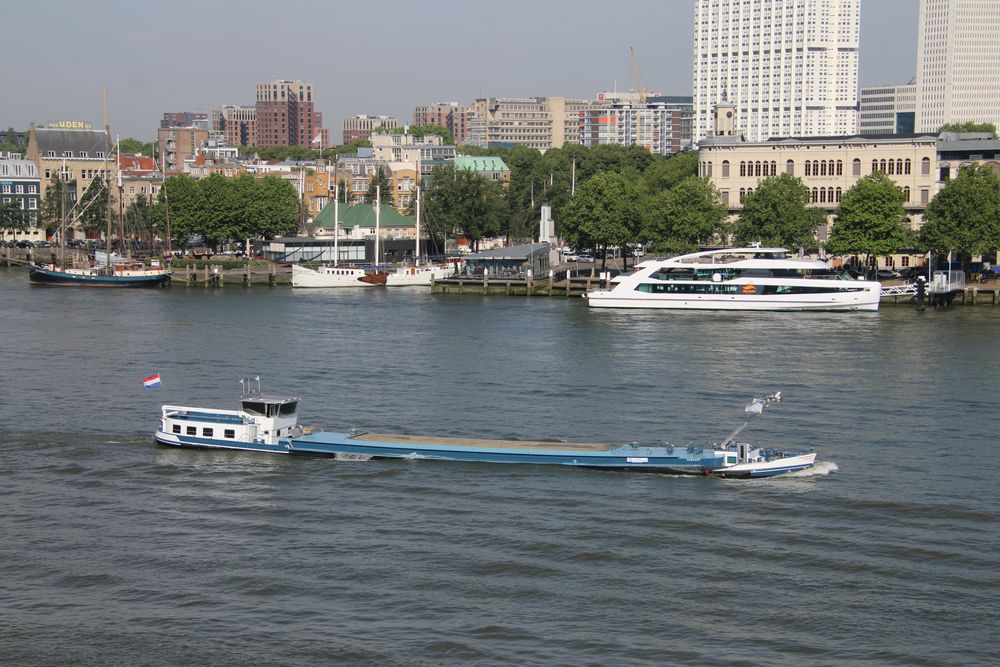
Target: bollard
[{"x": 921, "y": 292}]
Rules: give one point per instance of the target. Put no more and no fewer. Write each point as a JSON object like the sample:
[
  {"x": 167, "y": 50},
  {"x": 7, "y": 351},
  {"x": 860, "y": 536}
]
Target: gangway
[{"x": 900, "y": 290}]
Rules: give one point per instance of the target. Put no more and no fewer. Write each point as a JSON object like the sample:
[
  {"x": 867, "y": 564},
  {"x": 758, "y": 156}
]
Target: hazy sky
[{"x": 363, "y": 57}]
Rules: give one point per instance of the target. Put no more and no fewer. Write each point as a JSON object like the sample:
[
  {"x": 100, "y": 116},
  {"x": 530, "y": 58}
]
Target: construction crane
[{"x": 640, "y": 87}]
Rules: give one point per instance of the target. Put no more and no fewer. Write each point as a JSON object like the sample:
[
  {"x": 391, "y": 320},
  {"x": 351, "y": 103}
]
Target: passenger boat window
[
  {"x": 230, "y": 433},
  {"x": 177, "y": 428},
  {"x": 287, "y": 408},
  {"x": 207, "y": 432},
  {"x": 191, "y": 430}
]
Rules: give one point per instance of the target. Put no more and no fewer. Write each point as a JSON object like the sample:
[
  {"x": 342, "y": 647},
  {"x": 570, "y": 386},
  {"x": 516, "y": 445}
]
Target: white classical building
[
  {"x": 958, "y": 58},
  {"x": 789, "y": 66}
]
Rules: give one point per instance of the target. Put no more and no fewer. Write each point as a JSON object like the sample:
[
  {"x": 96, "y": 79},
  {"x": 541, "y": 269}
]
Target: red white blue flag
[{"x": 151, "y": 382}]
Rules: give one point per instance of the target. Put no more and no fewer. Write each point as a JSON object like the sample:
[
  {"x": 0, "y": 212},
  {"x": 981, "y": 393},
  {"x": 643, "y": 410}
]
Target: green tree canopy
[
  {"x": 461, "y": 201},
  {"x": 421, "y": 131},
  {"x": 664, "y": 174},
  {"x": 870, "y": 219},
  {"x": 92, "y": 209},
  {"x": 605, "y": 212},
  {"x": 130, "y": 145},
  {"x": 684, "y": 217},
  {"x": 970, "y": 127},
  {"x": 381, "y": 181},
  {"x": 13, "y": 217},
  {"x": 775, "y": 214},
  {"x": 965, "y": 214}
]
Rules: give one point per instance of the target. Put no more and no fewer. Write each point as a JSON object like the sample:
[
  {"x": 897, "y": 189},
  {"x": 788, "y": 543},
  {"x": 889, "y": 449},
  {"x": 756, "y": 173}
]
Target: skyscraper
[
  {"x": 789, "y": 66},
  {"x": 286, "y": 116},
  {"x": 958, "y": 60}
]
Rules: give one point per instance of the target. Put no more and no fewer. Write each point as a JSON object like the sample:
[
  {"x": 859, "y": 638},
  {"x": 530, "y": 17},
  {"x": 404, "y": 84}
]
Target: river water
[{"x": 115, "y": 551}]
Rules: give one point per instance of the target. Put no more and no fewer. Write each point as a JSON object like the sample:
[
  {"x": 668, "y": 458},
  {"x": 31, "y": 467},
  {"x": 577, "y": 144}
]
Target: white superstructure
[
  {"x": 331, "y": 276},
  {"x": 738, "y": 279},
  {"x": 789, "y": 66},
  {"x": 958, "y": 57}
]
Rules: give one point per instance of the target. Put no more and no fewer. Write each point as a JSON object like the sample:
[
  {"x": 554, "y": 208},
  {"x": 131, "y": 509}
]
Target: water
[{"x": 115, "y": 551}]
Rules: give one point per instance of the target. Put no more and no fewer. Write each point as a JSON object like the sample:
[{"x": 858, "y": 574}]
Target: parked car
[
  {"x": 910, "y": 273},
  {"x": 569, "y": 257},
  {"x": 887, "y": 274},
  {"x": 585, "y": 258}
]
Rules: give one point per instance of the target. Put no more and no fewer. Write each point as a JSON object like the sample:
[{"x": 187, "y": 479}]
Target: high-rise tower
[
  {"x": 285, "y": 115},
  {"x": 790, "y": 67},
  {"x": 958, "y": 60}
]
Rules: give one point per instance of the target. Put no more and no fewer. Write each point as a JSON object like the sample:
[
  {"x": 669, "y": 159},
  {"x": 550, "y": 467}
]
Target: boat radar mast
[{"x": 755, "y": 408}]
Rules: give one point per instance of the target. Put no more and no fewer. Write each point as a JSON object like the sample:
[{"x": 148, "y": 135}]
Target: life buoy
[{"x": 749, "y": 289}]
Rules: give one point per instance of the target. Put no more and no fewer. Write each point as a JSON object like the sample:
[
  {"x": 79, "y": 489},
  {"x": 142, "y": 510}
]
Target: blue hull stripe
[{"x": 213, "y": 443}]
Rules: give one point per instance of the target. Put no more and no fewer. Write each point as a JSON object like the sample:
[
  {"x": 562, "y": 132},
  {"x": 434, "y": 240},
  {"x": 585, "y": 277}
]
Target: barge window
[
  {"x": 177, "y": 428},
  {"x": 230, "y": 433},
  {"x": 191, "y": 430},
  {"x": 207, "y": 432},
  {"x": 253, "y": 407},
  {"x": 287, "y": 408}
]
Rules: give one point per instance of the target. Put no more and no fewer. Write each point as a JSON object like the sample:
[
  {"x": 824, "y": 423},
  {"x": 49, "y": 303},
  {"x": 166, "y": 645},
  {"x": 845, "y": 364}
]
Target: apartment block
[
  {"x": 286, "y": 115},
  {"x": 178, "y": 144},
  {"x": 76, "y": 156},
  {"x": 450, "y": 115},
  {"x": 790, "y": 67},
  {"x": 957, "y": 63},
  {"x": 427, "y": 152},
  {"x": 21, "y": 187},
  {"x": 887, "y": 109},
  {"x": 184, "y": 119},
  {"x": 361, "y": 126},
  {"x": 660, "y": 124},
  {"x": 236, "y": 124}
]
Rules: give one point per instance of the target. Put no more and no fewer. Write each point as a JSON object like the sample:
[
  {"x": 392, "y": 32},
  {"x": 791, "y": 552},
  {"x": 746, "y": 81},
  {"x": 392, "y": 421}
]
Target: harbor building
[
  {"x": 77, "y": 156},
  {"x": 490, "y": 168},
  {"x": 887, "y": 109},
  {"x": 790, "y": 67},
  {"x": 957, "y": 63},
  {"x": 535, "y": 122},
  {"x": 286, "y": 115},
  {"x": 21, "y": 188},
  {"x": 450, "y": 115},
  {"x": 361, "y": 127},
  {"x": 829, "y": 166},
  {"x": 236, "y": 124}
]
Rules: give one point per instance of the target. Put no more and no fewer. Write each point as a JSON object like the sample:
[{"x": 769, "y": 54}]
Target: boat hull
[
  {"x": 607, "y": 299},
  {"x": 331, "y": 277},
  {"x": 55, "y": 278},
  {"x": 191, "y": 442},
  {"x": 625, "y": 458}
]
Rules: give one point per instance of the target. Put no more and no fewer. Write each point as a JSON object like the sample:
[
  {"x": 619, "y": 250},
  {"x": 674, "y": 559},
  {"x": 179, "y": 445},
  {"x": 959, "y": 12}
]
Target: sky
[{"x": 363, "y": 57}]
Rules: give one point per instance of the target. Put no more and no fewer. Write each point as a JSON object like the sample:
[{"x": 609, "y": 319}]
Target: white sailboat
[{"x": 416, "y": 275}]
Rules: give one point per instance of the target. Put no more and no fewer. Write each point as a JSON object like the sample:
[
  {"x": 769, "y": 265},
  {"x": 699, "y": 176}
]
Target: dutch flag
[{"x": 151, "y": 382}]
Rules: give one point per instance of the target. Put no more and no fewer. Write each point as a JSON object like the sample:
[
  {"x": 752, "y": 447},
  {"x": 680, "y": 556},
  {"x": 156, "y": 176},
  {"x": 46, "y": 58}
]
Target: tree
[
  {"x": 965, "y": 214},
  {"x": 870, "y": 219},
  {"x": 605, "y": 212},
  {"x": 381, "y": 181},
  {"x": 421, "y": 131},
  {"x": 53, "y": 205},
  {"x": 665, "y": 174},
  {"x": 970, "y": 127},
  {"x": 186, "y": 205},
  {"x": 13, "y": 217},
  {"x": 273, "y": 209},
  {"x": 682, "y": 218},
  {"x": 462, "y": 201},
  {"x": 130, "y": 145},
  {"x": 775, "y": 214}
]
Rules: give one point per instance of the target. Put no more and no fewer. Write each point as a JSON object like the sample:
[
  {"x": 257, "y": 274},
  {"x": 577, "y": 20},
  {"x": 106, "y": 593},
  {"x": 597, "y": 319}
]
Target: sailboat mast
[
  {"x": 336, "y": 228},
  {"x": 121, "y": 198},
  {"x": 62, "y": 214},
  {"x": 416, "y": 252},
  {"x": 107, "y": 185},
  {"x": 378, "y": 210}
]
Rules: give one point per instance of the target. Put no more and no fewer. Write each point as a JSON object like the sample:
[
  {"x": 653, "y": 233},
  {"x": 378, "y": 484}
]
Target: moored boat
[
  {"x": 750, "y": 278},
  {"x": 336, "y": 276},
  {"x": 118, "y": 275},
  {"x": 270, "y": 424}
]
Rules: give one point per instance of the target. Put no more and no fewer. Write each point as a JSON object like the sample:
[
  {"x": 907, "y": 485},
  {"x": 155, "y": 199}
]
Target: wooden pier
[{"x": 566, "y": 287}]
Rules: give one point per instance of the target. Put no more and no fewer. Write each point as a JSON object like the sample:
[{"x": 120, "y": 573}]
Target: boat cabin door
[{"x": 743, "y": 451}]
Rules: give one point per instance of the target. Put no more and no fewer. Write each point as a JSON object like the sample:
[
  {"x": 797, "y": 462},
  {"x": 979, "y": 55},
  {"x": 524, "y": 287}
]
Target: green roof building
[
  {"x": 361, "y": 218},
  {"x": 490, "y": 168}
]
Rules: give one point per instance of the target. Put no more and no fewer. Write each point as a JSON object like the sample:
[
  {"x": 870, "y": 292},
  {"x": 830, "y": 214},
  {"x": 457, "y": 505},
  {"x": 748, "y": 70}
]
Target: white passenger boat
[
  {"x": 270, "y": 424},
  {"x": 750, "y": 278},
  {"x": 410, "y": 276}
]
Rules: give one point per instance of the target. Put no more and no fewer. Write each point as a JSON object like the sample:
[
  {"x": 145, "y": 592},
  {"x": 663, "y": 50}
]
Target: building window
[
  {"x": 808, "y": 168},
  {"x": 925, "y": 168},
  {"x": 709, "y": 167},
  {"x": 906, "y": 166},
  {"x": 725, "y": 169},
  {"x": 892, "y": 167},
  {"x": 838, "y": 193},
  {"x": 790, "y": 167},
  {"x": 856, "y": 167},
  {"x": 906, "y": 194},
  {"x": 743, "y": 195},
  {"x": 774, "y": 168},
  {"x": 743, "y": 168},
  {"x": 925, "y": 196},
  {"x": 840, "y": 167},
  {"x": 725, "y": 197},
  {"x": 822, "y": 170}
]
